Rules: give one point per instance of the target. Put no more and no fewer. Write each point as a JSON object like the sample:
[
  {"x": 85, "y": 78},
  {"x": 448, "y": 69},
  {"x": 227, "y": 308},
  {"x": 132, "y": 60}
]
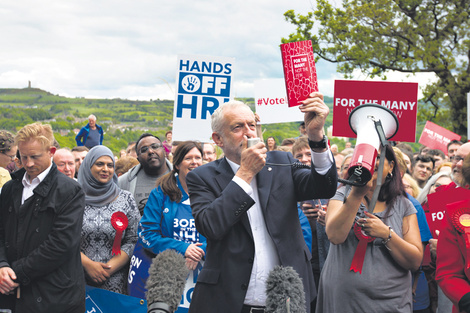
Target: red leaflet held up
[{"x": 299, "y": 70}]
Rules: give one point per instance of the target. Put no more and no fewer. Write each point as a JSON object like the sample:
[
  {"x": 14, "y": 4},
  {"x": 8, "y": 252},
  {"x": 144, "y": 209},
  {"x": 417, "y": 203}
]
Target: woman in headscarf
[{"x": 109, "y": 231}]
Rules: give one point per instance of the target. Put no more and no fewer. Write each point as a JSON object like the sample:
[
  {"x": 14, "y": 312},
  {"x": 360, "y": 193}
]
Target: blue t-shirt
[
  {"x": 422, "y": 222},
  {"x": 93, "y": 138}
]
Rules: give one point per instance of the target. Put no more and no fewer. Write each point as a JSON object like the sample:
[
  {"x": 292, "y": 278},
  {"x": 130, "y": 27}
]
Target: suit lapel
[
  {"x": 264, "y": 180},
  {"x": 224, "y": 175}
]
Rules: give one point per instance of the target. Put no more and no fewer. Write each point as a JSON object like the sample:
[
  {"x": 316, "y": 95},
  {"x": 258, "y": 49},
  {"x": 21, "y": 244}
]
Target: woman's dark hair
[
  {"x": 393, "y": 184},
  {"x": 7, "y": 141},
  {"x": 275, "y": 143},
  {"x": 168, "y": 181}
]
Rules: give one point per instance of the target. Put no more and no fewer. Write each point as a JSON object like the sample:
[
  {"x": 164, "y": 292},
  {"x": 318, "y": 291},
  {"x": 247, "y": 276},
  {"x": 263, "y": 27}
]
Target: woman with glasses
[
  {"x": 168, "y": 222},
  {"x": 7, "y": 155},
  {"x": 109, "y": 230}
]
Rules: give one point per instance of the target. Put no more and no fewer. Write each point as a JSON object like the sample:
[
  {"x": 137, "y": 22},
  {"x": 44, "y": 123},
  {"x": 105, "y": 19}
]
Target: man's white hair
[
  {"x": 217, "y": 119},
  {"x": 92, "y": 117}
]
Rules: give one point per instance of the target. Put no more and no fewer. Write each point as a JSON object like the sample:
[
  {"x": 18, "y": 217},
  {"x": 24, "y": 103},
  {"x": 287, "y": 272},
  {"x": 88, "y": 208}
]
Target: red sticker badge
[
  {"x": 119, "y": 221},
  {"x": 460, "y": 219}
]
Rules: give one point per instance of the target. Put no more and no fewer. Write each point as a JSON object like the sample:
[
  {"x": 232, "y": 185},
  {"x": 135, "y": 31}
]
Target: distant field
[{"x": 23, "y": 106}]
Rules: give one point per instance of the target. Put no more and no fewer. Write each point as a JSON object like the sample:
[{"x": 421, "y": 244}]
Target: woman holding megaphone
[{"x": 374, "y": 249}]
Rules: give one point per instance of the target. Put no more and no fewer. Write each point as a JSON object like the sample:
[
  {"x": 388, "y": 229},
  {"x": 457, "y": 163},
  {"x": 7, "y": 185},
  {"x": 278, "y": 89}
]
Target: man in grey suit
[{"x": 245, "y": 204}]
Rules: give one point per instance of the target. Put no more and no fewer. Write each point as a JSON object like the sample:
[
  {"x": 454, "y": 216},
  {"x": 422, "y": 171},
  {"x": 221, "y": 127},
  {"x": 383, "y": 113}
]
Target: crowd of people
[{"x": 71, "y": 217}]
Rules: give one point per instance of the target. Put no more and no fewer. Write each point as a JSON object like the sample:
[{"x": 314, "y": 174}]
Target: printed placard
[
  {"x": 204, "y": 83},
  {"x": 271, "y": 103},
  {"x": 400, "y": 98},
  {"x": 437, "y": 137},
  {"x": 299, "y": 70},
  {"x": 437, "y": 206}
]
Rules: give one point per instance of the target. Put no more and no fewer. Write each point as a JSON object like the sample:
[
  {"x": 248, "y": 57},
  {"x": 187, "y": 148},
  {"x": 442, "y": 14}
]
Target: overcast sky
[{"x": 128, "y": 49}]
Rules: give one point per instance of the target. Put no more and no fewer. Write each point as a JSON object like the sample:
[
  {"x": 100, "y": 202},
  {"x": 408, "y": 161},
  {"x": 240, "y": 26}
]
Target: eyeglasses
[
  {"x": 12, "y": 157},
  {"x": 456, "y": 158},
  {"x": 153, "y": 146}
]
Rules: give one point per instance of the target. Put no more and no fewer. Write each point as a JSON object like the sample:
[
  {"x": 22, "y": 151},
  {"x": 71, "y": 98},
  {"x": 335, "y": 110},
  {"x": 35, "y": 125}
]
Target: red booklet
[{"x": 299, "y": 70}]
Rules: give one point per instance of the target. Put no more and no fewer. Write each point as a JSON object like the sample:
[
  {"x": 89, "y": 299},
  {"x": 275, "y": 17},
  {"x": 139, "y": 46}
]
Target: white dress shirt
[
  {"x": 266, "y": 256},
  {"x": 29, "y": 185}
]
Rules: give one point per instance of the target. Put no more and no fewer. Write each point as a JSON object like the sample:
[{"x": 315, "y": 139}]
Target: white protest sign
[
  {"x": 271, "y": 102},
  {"x": 203, "y": 84}
]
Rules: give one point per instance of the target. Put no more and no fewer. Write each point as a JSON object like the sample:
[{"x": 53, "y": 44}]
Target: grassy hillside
[{"x": 123, "y": 120}]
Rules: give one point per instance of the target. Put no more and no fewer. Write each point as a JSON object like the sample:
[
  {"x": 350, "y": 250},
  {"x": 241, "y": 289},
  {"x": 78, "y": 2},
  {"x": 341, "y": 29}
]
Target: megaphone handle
[
  {"x": 351, "y": 182},
  {"x": 380, "y": 132},
  {"x": 380, "y": 170}
]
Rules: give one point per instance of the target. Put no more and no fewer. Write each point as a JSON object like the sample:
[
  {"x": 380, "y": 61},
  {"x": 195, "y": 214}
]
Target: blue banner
[{"x": 104, "y": 301}]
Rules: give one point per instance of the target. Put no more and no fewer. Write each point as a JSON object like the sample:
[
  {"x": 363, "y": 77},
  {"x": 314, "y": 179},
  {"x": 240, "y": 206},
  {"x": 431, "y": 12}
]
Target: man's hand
[
  {"x": 259, "y": 131},
  {"x": 310, "y": 212},
  {"x": 7, "y": 277},
  {"x": 321, "y": 217},
  {"x": 252, "y": 161},
  {"x": 316, "y": 112}
]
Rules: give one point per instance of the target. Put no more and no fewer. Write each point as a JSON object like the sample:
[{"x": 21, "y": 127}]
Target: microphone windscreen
[
  {"x": 167, "y": 278},
  {"x": 284, "y": 283}
]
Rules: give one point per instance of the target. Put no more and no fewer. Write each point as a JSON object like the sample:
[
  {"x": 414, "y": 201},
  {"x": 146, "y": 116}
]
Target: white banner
[
  {"x": 271, "y": 102},
  {"x": 203, "y": 83}
]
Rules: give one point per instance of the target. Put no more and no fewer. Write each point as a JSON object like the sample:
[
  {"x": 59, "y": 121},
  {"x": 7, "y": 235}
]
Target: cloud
[{"x": 128, "y": 49}]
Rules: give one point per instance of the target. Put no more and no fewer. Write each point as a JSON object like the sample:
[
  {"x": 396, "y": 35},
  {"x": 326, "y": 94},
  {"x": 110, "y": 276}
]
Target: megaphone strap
[{"x": 380, "y": 171}]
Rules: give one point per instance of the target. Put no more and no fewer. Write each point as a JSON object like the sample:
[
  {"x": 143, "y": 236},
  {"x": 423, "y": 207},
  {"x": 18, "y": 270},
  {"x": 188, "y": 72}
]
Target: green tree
[{"x": 409, "y": 36}]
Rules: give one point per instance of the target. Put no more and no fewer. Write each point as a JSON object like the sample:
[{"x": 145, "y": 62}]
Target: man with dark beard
[{"x": 140, "y": 180}]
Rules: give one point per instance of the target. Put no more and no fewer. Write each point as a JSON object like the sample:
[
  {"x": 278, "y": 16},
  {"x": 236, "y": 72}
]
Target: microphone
[
  {"x": 252, "y": 141},
  {"x": 165, "y": 285},
  {"x": 285, "y": 291}
]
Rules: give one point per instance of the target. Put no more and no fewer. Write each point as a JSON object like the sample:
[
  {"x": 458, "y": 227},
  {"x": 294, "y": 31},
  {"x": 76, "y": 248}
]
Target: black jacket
[{"x": 40, "y": 241}]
